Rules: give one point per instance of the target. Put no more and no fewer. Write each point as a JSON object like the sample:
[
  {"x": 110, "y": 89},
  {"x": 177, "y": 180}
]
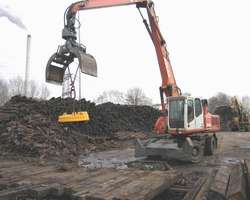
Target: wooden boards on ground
[
  {"x": 20, "y": 179},
  {"x": 229, "y": 183}
]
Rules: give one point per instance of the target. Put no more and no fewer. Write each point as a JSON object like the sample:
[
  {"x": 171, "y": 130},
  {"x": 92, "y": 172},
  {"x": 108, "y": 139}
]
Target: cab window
[
  {"x": 190, "y": 109},
  {"x": 198, "y": 109},
  {"x": 176, "y": 113}
]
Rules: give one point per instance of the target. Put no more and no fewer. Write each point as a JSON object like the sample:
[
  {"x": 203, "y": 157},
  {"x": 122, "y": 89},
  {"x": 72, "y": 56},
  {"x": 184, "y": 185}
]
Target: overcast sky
[{"x": 208, "y": 42}]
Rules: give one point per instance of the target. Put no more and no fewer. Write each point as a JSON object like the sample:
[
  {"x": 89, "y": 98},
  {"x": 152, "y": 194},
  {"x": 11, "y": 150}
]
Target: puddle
[
  {"x": 116, "y": 159},
  {"x": 245, "y": 146},
  {"x": 229, "y": 160}
]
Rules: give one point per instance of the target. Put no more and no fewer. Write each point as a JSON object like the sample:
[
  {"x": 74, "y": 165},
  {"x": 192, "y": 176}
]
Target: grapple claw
[
  {"x": 55, "y": 70},
  {"x": 87, "y": 62},
  {"x": 65, "y": 55}
]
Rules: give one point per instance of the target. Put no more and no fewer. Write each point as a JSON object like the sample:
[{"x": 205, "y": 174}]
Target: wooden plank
[
  {"x": 12, "y": 193},
  {"x": 34, "y": 191},
  {"x": 247, "y": 165},
  {"x": 9, "y": 163},
  {"x": 104, "y": 184},
  {"x": 219, "y": 185},
  {"x": 205, "y": 188},
  {"x": 196, "y": 188},
  {"x": 145, "y": 186},
  {"x": 229, "y": 183},
  {"x": 24, "y": 173},
  {"x": 108, "y": 182},
  {"x": 237, "y": 184}
]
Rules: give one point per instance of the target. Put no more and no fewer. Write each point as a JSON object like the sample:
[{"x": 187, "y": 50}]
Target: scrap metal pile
[{"x": 29, "y": 127}]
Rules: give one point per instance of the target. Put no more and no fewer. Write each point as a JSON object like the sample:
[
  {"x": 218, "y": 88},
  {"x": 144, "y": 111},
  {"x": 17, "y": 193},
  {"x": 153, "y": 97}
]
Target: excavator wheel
[
  {"x": 215, "y": 141},
  {"x": 210, "y": 145},
  {"x": 197, "y": 154}
]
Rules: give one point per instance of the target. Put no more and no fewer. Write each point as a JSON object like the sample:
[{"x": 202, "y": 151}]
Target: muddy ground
[{"x": 110, "y": 176}]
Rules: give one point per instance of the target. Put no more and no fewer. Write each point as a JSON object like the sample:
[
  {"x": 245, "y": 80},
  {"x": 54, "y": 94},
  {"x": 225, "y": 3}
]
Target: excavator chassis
[{"x": 188, "y": 149}]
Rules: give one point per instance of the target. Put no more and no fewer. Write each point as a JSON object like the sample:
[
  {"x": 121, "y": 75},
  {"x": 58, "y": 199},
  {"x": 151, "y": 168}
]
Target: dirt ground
[
  {"x": 105, "y": 175},
  {"x": 234, "y": 144}
]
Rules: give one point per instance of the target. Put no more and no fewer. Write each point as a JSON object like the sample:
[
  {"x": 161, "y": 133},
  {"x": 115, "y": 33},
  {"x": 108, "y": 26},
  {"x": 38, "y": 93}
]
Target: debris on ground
[{"x": 29, "y": 127}]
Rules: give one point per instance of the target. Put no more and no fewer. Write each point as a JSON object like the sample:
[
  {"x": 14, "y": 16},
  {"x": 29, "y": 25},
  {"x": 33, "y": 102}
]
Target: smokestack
[{"x": 27, "y": 66}]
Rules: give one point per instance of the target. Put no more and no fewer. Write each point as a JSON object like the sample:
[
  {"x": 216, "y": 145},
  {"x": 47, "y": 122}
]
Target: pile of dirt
[
  {"x": 110, "y": 118},
  {"x": 107, "y": 118},
  {"x": 29, "y": 127},
  {"x": 34, "y": 135}
]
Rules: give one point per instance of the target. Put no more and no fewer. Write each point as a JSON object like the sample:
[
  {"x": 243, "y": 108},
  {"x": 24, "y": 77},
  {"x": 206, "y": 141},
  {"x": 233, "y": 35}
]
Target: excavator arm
[
  {"x": 94, "y": 4},
  {"x": 65, "y": 55},
  {"x": 71, "y": 11},
  {"x": 168, "y": 79},
  {"x": 72, "y": 49}
]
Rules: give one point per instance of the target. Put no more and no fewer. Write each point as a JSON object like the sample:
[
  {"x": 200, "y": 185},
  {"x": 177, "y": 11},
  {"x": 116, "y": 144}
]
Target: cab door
[
  {"x": 190, "y": 119},
  {"x": 199, "y": 120}
]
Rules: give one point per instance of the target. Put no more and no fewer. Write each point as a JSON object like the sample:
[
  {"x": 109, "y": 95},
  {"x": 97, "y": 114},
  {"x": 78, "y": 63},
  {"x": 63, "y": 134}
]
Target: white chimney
[{"x": 27, "y": 65}]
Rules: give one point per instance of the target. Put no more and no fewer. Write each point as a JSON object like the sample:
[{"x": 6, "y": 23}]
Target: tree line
[
  {"x": 136, "y": 96},
  {"x": 16, "y": 86},
  {"x": 133, "y": 96},
  {"x": 222, "y": 99}
]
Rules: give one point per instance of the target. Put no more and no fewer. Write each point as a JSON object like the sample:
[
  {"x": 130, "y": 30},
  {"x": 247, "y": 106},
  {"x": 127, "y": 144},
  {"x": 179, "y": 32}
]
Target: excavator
[
  {"x": 185, "y": 130},
  {"x": 241, "y": 118},
  {"x": 234, "y": 116}
]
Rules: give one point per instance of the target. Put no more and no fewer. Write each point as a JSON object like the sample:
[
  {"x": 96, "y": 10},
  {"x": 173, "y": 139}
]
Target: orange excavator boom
[
  {"x": 94, "y": 4},
  {"x": 168, "y": 87}
]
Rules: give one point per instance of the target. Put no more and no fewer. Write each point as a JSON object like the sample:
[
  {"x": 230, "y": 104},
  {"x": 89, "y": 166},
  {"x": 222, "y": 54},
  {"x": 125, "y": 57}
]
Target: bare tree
[
  {"x": 33, "y": 89},
  {"x": 3, "y": 92},
  {"x": 44, "y": 92},
  {"x": 136, "y": 96},
  {"x": 220, "y": 99},
  {"x": 113, "y": 96},
  {"x": 16, "y": 86}
]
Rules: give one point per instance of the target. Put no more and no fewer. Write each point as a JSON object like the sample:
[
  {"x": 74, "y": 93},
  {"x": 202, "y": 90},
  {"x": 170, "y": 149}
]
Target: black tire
[
  {"x": 210, "y": 146},
  {"x": 215, "y": 142},
  {"x": 235, "y": 128},
  {"x": 197, "y": 154}
]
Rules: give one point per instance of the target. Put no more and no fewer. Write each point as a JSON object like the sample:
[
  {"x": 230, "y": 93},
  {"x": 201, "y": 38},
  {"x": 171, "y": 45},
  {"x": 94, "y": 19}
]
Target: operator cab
[{"x": 185, "y": 113}]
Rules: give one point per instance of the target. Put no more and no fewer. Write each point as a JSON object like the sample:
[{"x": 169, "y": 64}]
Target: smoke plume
[{"x": 5, "y": 11}]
